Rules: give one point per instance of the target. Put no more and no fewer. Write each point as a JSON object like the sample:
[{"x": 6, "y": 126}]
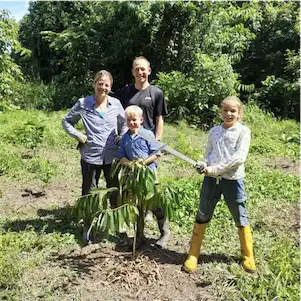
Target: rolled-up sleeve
[
  {"x": 209, "y": 148},
  {"x": 72, "y": 118},
  {"x": 153, "y": 148}
]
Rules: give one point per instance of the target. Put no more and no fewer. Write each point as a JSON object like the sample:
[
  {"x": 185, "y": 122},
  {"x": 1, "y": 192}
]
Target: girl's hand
[
  {"x": 200, "y": 166},
  {"x": 208, "y": 170}
]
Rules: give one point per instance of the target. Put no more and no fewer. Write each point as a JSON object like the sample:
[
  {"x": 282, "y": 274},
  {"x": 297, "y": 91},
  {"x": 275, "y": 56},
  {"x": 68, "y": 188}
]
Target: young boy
[
  {"x": 223, "y": 166},
  {"x": 133, "y": 146}
]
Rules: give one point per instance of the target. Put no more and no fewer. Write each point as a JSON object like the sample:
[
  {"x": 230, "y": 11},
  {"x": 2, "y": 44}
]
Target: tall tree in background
[
  {"x": 214, "y": 47},
  {"x": 272, "y": 63},
  {"x": 10, "y": 72}
]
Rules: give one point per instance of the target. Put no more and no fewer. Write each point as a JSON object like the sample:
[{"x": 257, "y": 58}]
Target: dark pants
[
  {"x": 234, "y": 195},
  {"x": 91, "y": 174}
]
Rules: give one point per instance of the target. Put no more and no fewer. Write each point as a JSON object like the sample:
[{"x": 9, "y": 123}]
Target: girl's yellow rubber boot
[
  {"x": 191, "y": 263},
  {"x": 246, "y": 244}
]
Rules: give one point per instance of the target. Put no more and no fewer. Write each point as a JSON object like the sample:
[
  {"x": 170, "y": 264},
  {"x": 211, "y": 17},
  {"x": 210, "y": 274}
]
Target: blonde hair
[
  {"x": 103, "y": 73},
  {"x": 238, "y": 102},
  {"x": 141, "y": 57},
  {"x": 134, "y": 110}
]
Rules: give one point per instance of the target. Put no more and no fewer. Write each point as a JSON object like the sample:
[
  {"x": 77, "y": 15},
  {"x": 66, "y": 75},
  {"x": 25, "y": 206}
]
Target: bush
[
  {"x": 198, "y": 95},
  {"x": 34, "y": 95}
]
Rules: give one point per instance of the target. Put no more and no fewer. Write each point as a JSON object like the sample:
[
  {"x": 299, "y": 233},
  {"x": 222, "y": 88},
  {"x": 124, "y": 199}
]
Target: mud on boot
[{"x": 165, "y": 233}]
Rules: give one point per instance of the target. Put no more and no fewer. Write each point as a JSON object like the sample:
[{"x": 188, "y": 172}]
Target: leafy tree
[
  {"x": 273, "y": 59},
  {"x": 10, "y": 72},
  {"x": 55, "y": 16},
  {"x": 256, "y": 42},
  {"x": 137, "y": 193},
  {"x": 212, "y": 80}
]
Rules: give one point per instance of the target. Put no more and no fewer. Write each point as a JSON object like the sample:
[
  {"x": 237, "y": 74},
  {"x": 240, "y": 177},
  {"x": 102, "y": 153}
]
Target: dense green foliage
[
  {"x": 210, "y": 50},
  {"x": 10, "y": 72},
  {"x": 136, "y": 194}
]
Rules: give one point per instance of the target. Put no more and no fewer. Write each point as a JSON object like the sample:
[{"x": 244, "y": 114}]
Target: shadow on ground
[
  {"x": 84, "y": 260},
  {"x": 48, "y": 221}
]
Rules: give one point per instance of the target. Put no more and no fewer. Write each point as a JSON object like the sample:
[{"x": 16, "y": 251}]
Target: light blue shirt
[
  {"x": 101, "y": 129},
  {"x": 134, "y": 147}
]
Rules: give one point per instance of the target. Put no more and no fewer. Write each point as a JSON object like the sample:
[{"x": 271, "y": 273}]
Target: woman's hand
[{"x": 82, "y": 138}]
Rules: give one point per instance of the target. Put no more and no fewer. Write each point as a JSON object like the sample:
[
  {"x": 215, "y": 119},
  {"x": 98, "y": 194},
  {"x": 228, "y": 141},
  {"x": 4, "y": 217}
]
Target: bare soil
[
  {"x": 285, "y": 164},
  {"x": 102, "y": 270}
]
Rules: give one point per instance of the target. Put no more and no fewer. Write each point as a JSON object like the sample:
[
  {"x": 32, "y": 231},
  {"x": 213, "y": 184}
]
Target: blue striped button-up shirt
[{"x": 101, "y": 129}]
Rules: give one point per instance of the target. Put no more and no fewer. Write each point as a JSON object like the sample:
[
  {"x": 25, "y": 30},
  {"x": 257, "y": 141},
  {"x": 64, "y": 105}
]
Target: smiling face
[
  {"x": 133, "y": 122},
  {"x": 102, "y": 85},
  {"x": 141, "y": 70},
  {"x": 231, "y": 113}
]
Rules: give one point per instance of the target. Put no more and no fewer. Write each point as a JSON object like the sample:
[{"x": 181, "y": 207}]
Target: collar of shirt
[
  {"x": 234, "y": 127},
  {"x": 93, "y": 102},
  {"x": 142, "y": 129}
]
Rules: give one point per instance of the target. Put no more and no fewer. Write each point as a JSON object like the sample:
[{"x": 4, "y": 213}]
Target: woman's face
[{"x": 102, "y": 85}]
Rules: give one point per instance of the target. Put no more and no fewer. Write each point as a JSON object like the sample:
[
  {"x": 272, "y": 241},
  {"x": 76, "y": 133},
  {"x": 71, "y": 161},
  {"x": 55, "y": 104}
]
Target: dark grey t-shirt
[{"x": 151, "y": 100}]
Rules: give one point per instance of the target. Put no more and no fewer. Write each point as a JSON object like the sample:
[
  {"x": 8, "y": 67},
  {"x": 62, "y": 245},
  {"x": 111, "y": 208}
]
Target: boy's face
[
  {"x": 134, "y": 122},
  {"x": 141, "y": 70},
  {"x": 230, "y": 113}
]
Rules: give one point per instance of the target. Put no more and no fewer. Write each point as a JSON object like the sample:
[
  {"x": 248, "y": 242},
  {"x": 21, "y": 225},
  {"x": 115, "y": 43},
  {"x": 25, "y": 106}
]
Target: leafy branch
[{"x": 136, "y": 193}]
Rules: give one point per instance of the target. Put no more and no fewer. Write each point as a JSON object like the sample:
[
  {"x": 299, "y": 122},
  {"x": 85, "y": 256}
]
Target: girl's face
[
  {"x": 230, "y": 113},
  {"x": 102, "y": 85}
]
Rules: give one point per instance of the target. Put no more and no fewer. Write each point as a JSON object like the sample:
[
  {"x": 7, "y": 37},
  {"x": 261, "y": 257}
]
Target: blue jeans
[{"x": 234, "y": 195}]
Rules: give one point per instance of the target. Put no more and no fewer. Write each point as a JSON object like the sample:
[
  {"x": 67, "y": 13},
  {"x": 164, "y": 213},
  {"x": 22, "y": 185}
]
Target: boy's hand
[
  {"x": 140, "y": 161},
  {"x": 200, "y": 166},
  {"x": 210, "y": 171}
]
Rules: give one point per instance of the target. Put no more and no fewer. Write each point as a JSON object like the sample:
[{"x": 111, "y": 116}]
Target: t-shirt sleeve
[
  {"x": 119, "y": 94},
  {"x": 160, "y": 103},
  {"x": 153, "y": 148},
  {"x": 123, "y": 94}
]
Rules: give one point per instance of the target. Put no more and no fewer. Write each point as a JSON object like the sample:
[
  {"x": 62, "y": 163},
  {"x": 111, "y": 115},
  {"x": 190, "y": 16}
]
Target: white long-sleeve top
[{"x": 227, "y": 151}]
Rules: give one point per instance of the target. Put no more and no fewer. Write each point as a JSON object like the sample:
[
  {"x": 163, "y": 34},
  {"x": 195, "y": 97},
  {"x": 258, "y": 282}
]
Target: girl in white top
[{"x": 223, "y": 166}]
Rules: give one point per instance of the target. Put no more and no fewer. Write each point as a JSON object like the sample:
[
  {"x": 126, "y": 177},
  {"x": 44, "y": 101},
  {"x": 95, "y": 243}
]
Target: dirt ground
[
  {"x": 100, "y": 271},
  {"x": 285, "y": 164}
]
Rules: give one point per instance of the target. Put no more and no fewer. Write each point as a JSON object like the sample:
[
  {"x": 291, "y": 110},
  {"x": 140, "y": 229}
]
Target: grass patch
[{"x": 273, "y": 204}]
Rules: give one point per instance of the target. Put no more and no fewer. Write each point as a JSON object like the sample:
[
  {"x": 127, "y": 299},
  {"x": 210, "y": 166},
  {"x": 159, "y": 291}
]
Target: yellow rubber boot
[
  {"x": 191, "y": 263},
  {"x": 246, "y": 244}
]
